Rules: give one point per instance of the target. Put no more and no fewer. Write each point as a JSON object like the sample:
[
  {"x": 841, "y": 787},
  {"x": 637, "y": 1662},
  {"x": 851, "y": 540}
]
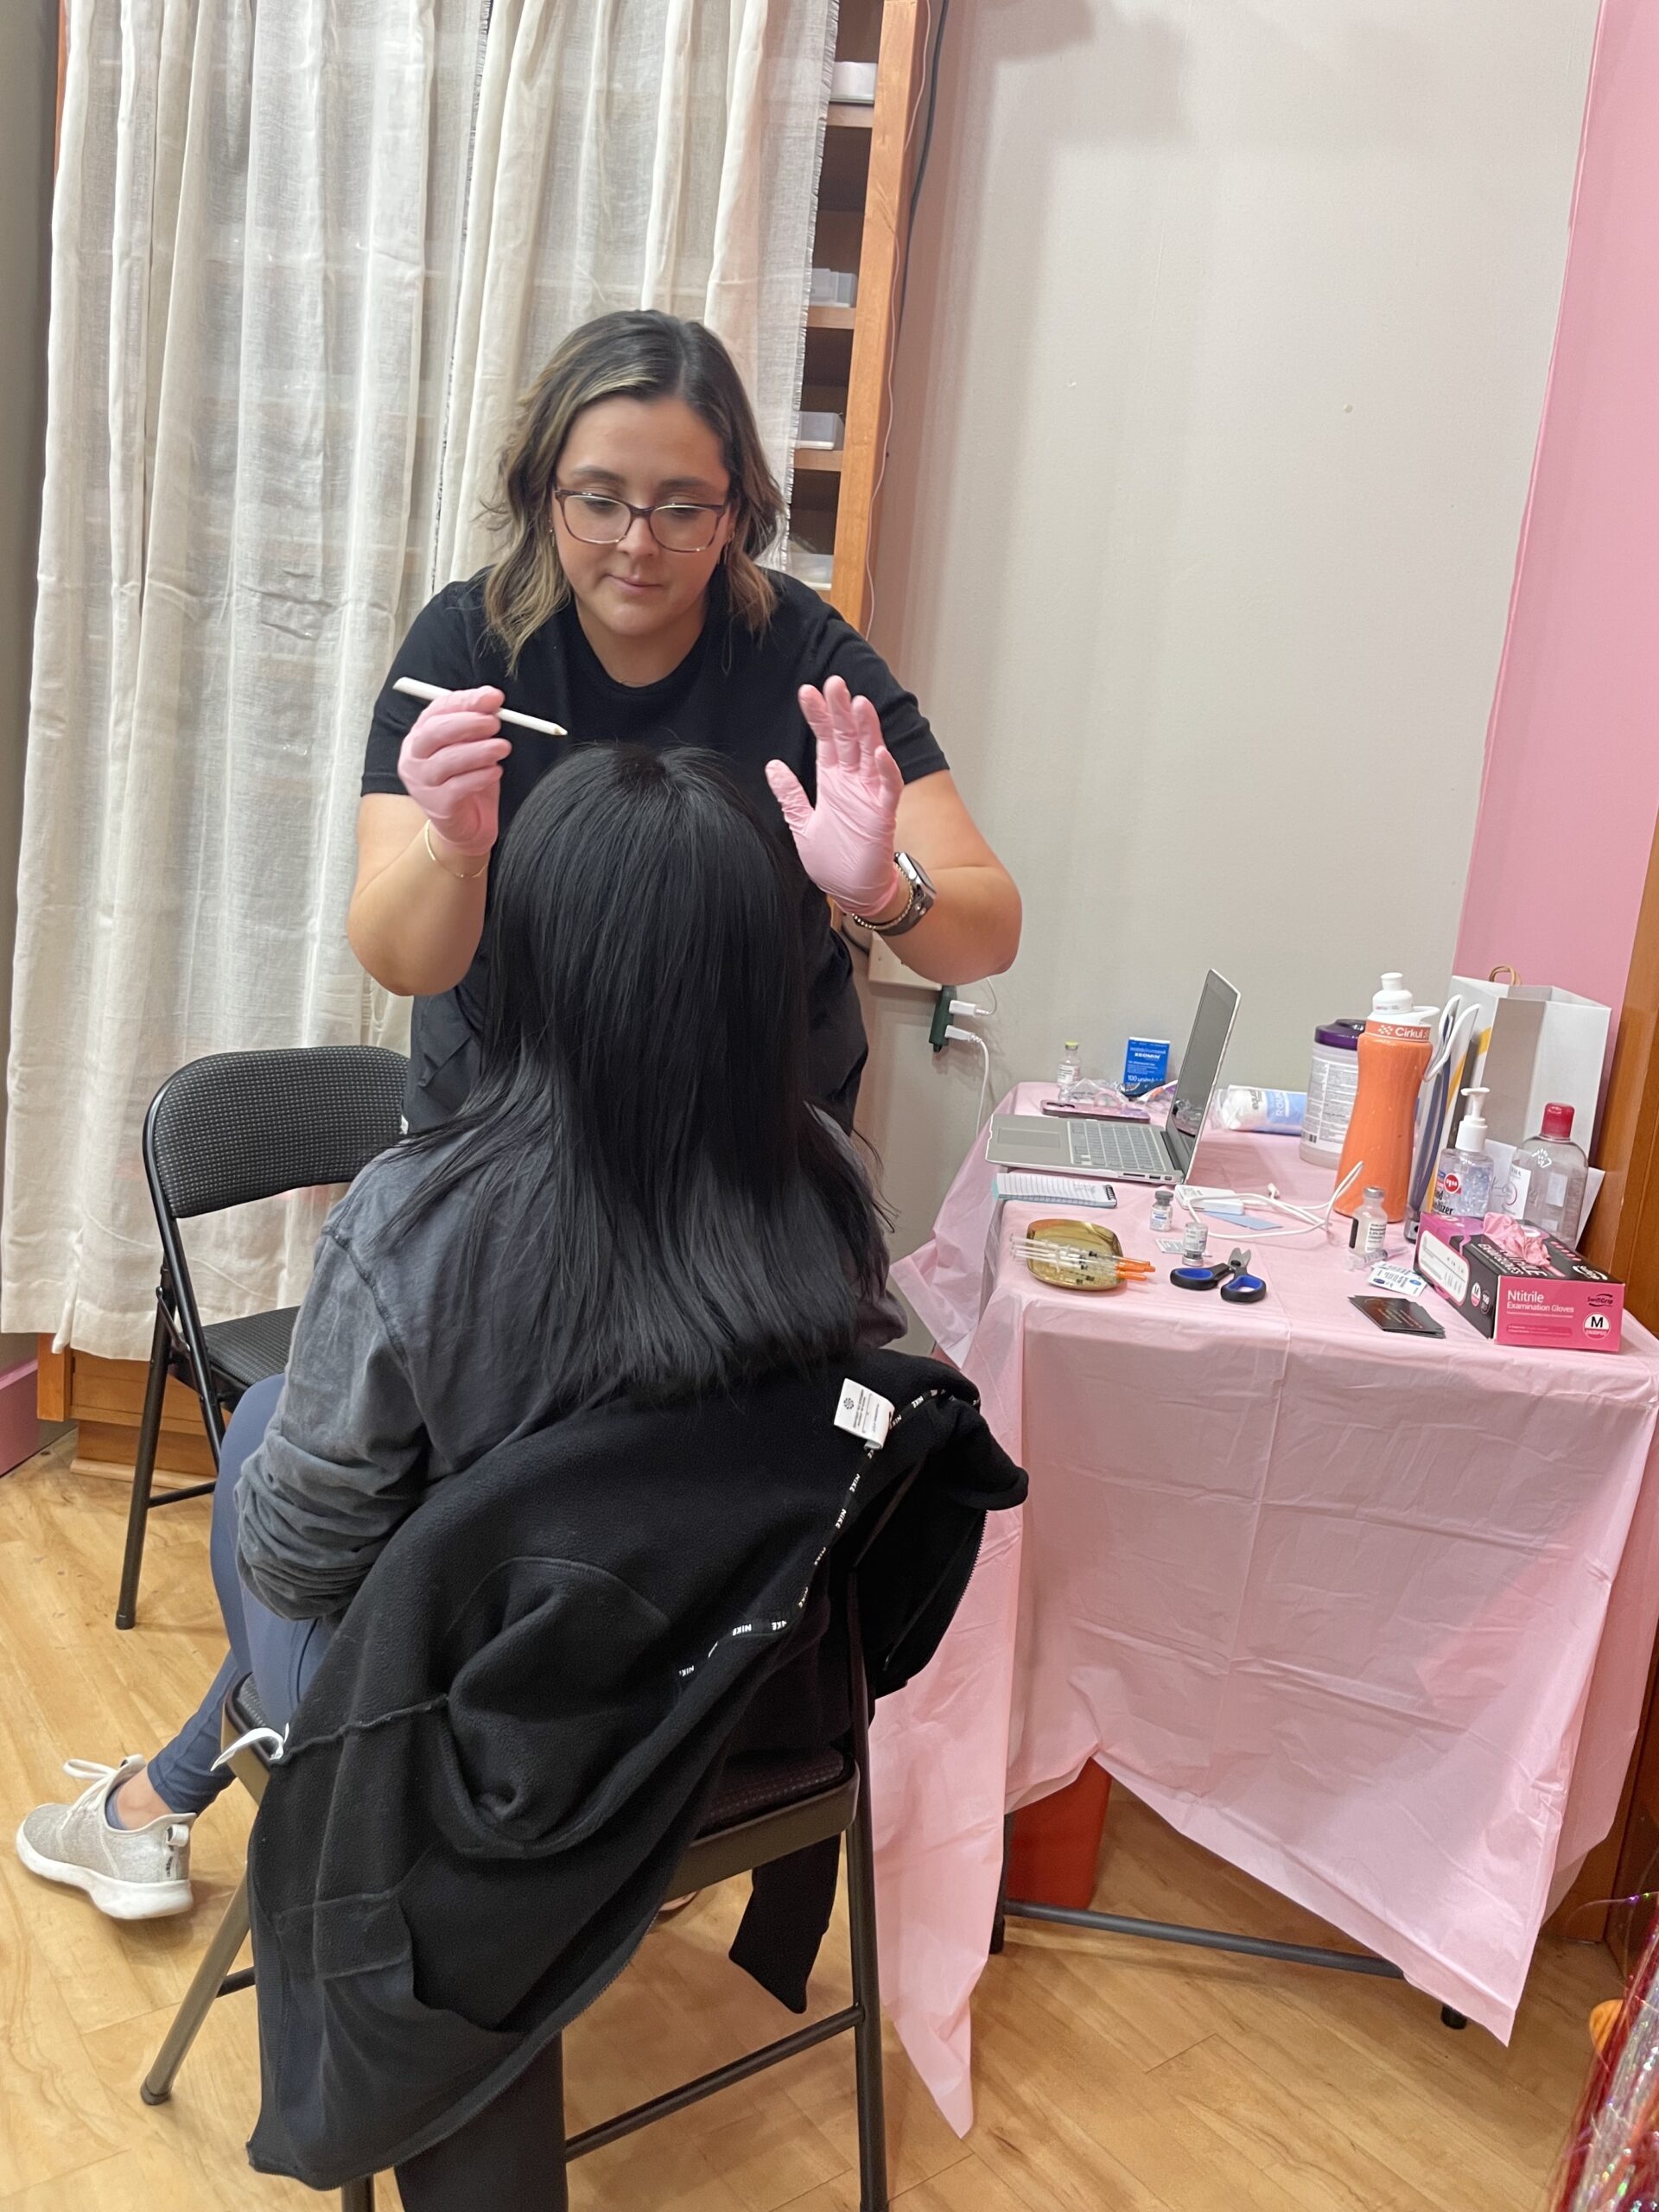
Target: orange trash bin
[{"x": 1055, "y": 1847}]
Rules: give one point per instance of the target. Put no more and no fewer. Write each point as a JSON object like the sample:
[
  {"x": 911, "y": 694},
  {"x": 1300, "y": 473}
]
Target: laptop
[{"x": 1132, "y": 1151}]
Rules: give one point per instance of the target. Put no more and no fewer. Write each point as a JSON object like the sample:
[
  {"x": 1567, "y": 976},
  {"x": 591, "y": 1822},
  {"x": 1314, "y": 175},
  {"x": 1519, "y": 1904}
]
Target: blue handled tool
[{"x": 1231, "y": 1276}]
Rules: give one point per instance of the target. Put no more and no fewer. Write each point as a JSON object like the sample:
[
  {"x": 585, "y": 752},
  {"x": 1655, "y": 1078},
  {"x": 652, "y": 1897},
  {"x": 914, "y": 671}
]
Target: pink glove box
[{"x": 1564, "y": 1305}]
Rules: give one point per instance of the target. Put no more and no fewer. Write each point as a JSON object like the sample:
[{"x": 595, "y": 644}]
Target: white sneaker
[{"x": 130, "y": 1873}]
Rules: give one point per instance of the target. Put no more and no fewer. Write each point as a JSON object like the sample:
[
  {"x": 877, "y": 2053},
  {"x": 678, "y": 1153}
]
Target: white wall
[
  {"x": 29, "y": 48},
  {"x": 1223, "y": 358}
]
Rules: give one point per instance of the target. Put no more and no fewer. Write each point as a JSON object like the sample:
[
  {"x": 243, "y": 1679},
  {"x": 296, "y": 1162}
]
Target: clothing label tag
[{"x": 861, "y": 1413}]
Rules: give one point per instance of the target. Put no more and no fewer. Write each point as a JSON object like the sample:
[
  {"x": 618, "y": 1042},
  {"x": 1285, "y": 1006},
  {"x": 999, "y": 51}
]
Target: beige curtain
[
  {"x": 661, "y": 156},
  {"x": 305, "y": 253}
]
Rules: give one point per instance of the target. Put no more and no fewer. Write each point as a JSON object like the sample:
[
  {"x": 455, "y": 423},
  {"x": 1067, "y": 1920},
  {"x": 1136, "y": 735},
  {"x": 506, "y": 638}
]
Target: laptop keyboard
[{"x": 1116, "y": 1149}]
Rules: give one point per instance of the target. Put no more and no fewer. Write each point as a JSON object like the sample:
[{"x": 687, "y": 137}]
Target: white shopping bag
[{"x": 1535, "y": 1046}]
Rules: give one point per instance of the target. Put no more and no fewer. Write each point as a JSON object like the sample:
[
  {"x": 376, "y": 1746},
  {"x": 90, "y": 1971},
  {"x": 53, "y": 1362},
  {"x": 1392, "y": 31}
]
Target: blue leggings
[{"x": 281, "y": 1656}]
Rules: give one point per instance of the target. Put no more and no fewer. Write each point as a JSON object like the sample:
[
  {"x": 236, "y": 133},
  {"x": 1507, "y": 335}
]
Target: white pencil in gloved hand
[
  {"x": 450, "y": 765},
  {"x": 413, "y": 688}
]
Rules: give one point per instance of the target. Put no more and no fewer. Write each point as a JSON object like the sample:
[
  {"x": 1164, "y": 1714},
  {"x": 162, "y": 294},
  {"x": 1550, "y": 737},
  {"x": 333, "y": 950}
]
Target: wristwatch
[{"x": 919, "y": 903}]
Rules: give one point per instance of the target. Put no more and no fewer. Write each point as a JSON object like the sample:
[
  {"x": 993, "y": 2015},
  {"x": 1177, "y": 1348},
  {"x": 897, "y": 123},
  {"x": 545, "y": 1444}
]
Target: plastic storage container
[
  {"x": 1332, "y": 1079},
  {"x": 833, "y": 287},
  {"x": 854, "y": 83}
]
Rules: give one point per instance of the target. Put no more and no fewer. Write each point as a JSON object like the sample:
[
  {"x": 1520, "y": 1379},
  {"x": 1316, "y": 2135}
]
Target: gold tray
[{"x": 1072, "y": 1273}]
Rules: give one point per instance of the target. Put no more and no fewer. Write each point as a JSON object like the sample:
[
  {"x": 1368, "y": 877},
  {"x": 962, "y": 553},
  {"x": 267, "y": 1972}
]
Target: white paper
[{"x": 1037, "y": 1189}]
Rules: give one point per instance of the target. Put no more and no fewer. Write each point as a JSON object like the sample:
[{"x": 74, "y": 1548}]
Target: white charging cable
[
  {"x": 972, "y": 1037},
  {"x": 1299, "y": 1220}
]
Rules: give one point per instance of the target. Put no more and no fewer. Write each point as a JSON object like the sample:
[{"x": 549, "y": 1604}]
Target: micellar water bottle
[{"x": 1547, "y": 1181}]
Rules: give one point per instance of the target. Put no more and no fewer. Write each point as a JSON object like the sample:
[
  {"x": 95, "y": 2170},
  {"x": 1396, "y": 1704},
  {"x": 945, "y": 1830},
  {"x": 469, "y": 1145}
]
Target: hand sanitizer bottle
[{"x": 1463, "y": 1180}]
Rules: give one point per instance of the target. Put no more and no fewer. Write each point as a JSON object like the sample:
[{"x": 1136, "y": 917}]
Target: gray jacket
[{"x": 392, "y": 1387}]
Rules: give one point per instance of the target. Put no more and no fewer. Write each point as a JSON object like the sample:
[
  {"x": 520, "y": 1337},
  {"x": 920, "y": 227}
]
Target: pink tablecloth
[{"x": 1368, "y": 1616}]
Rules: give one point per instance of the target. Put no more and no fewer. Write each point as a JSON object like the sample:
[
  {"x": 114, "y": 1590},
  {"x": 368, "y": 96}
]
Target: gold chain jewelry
[{"x": 460, "y": 876}]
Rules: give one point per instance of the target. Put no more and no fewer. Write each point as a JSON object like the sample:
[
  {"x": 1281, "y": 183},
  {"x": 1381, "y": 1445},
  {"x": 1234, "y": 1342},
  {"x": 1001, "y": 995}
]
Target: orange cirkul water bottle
[{"x": 1394, "y": 1056}]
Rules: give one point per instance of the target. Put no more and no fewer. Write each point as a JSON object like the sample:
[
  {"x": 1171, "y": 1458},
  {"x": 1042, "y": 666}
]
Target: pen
[{"x": 416, "y": 689}]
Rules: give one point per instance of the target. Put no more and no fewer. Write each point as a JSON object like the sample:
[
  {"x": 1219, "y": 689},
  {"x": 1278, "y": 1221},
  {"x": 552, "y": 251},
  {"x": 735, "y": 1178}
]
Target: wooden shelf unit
[{"x": 864, "y": 187}]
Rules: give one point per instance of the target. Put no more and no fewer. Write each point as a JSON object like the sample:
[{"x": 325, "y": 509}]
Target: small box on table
[{"x": 1564, "y": 1305}]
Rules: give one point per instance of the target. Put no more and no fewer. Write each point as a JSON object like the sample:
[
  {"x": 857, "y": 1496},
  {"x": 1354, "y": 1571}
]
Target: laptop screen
[{"x": 1212, "y": 1025}]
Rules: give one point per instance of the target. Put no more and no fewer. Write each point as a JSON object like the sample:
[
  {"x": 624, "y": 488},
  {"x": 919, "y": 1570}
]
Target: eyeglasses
[{"x": 677, "y": 525}]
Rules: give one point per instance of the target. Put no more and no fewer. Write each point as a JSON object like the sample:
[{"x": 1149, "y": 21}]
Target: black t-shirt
[{"x": 733, "y": 694}]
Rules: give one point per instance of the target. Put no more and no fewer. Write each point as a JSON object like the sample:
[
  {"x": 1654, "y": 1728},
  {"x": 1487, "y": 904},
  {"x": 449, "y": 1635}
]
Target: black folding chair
[
  {"x": 764, "y": 1809},
  {"x": 223, "y": 1131}
]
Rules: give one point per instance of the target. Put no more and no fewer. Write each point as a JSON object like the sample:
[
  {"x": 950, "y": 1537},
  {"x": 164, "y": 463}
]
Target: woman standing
[{"x": 628, "y": 606}]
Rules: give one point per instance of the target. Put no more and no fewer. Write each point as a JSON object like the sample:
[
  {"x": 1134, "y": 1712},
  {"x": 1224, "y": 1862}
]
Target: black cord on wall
[{"x": 921, "y": 158}]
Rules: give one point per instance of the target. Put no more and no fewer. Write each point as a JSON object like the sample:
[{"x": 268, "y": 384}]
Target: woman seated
[{"x": 637, "y": 1201}]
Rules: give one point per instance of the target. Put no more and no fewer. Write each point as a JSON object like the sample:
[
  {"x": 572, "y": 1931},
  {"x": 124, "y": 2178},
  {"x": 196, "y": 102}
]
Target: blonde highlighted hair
[{"x": 635, "y": 354}]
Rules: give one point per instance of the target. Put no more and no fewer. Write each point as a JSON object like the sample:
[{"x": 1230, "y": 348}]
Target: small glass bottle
[
  {"x": 1194, "y": 1239},
  {"x": 1163, "y": 1199},
  {"x": 1071, "y": 1068},
  {"x": 1371, "y": 1243}
]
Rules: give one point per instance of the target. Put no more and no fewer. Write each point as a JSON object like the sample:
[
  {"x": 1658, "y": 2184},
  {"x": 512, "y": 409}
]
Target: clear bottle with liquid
[
  {"x": 1371, "y": 1243},
  {"x": 1546, "y": 1182},
  {"x": 1070, "y": 1069},
  {"x": 1463, "y": 1177}
]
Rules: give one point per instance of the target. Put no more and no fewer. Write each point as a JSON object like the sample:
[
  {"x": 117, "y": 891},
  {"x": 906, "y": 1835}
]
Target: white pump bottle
[{"x": 1463, "y": 1178}]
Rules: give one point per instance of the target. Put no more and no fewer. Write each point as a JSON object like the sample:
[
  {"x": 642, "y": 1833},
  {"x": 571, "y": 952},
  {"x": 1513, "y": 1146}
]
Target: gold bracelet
[{"x": 458, "y": 876}]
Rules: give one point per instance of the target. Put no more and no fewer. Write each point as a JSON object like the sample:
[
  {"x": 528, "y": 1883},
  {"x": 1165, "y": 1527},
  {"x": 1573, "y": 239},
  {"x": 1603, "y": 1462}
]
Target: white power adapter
[{"x": 959, "y": 1036}]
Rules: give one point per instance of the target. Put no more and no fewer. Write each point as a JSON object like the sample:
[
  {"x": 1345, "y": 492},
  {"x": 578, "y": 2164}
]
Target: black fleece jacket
[{"x": 492, "y": 1778}]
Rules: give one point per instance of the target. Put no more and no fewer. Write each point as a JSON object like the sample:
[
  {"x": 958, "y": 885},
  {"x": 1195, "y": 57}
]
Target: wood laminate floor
[{"x": 1111, "y": 2076}]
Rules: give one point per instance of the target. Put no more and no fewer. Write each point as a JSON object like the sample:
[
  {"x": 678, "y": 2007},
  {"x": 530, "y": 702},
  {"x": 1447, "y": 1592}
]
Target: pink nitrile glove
[
  {"x": 450, "y": 763},
  {"x": 846, "y": 842}
]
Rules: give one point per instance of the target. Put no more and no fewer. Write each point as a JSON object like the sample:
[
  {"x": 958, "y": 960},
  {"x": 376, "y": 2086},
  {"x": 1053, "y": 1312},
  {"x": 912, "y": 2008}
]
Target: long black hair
[{"x": 641, "y": 1115}]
